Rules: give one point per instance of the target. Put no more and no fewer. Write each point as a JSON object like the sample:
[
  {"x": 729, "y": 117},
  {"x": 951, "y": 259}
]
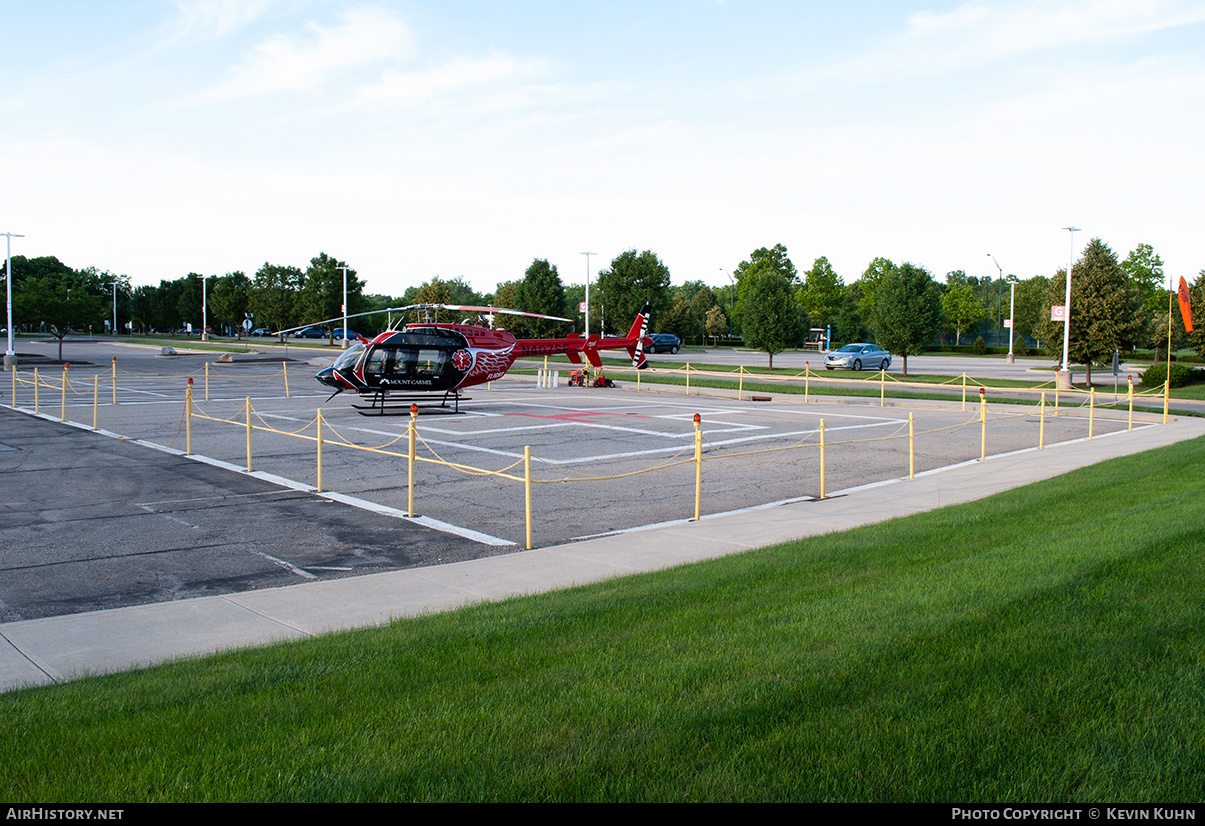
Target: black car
[
  {"x": 310, "y": 332},
  {"x": 664, "y": 343}
]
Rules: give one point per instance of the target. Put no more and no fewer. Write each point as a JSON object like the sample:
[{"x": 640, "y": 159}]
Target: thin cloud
[
  {"x": 456, "y": 76},
  {"x": 217, "y": 18},
  {"x": 365, "y": 37}
]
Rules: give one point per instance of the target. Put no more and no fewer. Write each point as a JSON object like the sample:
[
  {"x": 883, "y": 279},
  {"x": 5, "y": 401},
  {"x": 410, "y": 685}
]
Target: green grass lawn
[{"x": 1045, "y": 644}]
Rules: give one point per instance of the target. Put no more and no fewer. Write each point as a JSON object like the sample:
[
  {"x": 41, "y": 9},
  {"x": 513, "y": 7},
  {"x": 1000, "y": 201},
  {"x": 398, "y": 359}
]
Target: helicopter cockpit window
[{"x": 350, "y": 356}]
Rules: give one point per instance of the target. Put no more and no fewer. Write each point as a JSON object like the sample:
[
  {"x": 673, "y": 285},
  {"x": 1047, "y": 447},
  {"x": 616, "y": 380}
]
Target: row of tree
[{"x": 768, "y": 303}]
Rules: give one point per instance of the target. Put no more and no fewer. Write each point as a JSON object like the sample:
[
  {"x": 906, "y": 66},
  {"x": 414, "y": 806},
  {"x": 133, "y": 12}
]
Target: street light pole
[
  {"x": 10, "y": 358},
  {"x": 204, "y": 307},
  {"x": 1064, "y": 379},
  {"x": 344, "y": 336},
  {"x": 588, "y": 254},
  {"x": 1012, "y": 324},
  {"x": 115, "y": 304},
  {"x": 999, "y": 289}
]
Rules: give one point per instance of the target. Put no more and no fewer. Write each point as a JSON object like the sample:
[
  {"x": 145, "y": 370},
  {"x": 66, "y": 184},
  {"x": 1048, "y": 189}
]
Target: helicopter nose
[{"x": 327, "y": 377}]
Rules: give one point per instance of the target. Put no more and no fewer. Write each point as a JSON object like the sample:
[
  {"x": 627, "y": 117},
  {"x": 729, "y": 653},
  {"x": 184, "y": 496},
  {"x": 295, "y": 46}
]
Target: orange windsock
[{"x": 1185, "y": 306}]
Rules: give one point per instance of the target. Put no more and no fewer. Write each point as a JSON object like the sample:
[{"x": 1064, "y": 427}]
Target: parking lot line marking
[{"x": 289, "y": 566}]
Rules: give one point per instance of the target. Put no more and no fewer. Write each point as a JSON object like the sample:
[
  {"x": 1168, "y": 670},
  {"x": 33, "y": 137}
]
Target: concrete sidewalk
[{"x": 57, "y": 649}]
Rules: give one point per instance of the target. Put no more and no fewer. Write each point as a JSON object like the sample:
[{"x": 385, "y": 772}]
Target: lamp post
[
  {"x": 999, "y": 289},
  {"x": 1064, "y": 377},
  {"x": 588, "y": 254},
  {"x": 1012, "y": 303},
  {"x": 344, "y": 336},
  {"x": 115, "y": 305},
  {"x": 10, "y": 358},
  {"x": 204, "y": 307}
]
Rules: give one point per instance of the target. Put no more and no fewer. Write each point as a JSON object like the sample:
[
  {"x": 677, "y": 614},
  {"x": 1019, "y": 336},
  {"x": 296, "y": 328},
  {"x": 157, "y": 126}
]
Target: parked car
[
  {"x": 351, "y": 334},
  {"x": 857, "y": 357},
  {"x": 664, "y": 343},
  {"x": 310, "y": 332},
  {"x": 261, "y": 331}
]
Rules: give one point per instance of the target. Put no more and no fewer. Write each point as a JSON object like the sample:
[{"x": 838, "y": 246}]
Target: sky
[{"x": 411, "y": 139}]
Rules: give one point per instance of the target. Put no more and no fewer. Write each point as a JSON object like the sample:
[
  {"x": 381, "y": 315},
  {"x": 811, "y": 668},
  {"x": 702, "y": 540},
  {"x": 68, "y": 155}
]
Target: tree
[
  {"x": 907, "y": 310},
  {"x": 322, "y": 291},
  {"x": 774, "y": 320},
  {"x": 541, "y": 291},
  {"x": 274, "y": 295},
  {"x": 1106, "y": 309},
  {"x": 876, "y": 271},
  {"x": 717, "y": 322},
  {"x": 1145, "y": 270},
  {"x": 962, "y": 308},
  {"x": 823, "y": 293},
  {"x": 632, "y": 280},
  {"x": 230, "y": 300},
  {"x": 747, "y": 273}
]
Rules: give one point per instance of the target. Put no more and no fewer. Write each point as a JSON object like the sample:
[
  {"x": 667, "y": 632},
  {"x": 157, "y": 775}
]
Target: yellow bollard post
[
  {"x": 13, "y": 374},
  {"x": 206, "y": 381},
  {"x": 188, "y": 418},
  {"x": 285, "y": 365},
  {"x": 964, "y": 391},
  {"x": 822, "y": 458},
  {"x": 36, "y": 381},
  {"x": 1130, "y": 394},
  {"x": 95, "y": 399},
  {"x": 882, "y": 386},
  {"x": 1091, "y": 408},
  {"x": 982, "y": 425},
  {"x": 410, "y": 459},
  {"x": 1056, "y": 399},
  {"x": 740, "y": 390},
  {"x": 63, "y": 408},
  {"x": 806, "y": 382},
  {"x": 319, "y": 423},
  {"x": 248, "y": 434},
  {"x": 638, "y": 381},
  {"x": 688, "y": 378},
  {"x": 698, "y": 465},
  {"x": 114, "y": 379},
  {"x": 527, "y": 488},
  {"x": 1167, "y": 390},
  {"x": 1042, "y": 420},
  {"x": 911, "y": 450}
]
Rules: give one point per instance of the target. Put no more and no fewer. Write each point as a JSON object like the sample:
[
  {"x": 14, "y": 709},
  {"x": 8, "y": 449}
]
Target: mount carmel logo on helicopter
[{"x": 427, "y": 357}]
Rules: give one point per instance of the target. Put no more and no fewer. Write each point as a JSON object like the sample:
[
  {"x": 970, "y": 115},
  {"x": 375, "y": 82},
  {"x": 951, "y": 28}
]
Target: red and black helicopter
[{"x": 427, "y": 357}]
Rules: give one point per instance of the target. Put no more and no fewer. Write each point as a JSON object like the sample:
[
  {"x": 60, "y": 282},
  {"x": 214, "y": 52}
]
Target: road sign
[
  {"x": 247, "y": 324},
  {"x": 1058, "y": 312}
]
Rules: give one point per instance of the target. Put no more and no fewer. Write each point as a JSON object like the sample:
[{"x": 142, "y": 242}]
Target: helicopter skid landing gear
[{"x": 398, "y": 405}]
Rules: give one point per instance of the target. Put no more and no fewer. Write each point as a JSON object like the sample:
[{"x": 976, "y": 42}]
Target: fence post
[
  {"x": 1091, "y": 408},
  {"x": 95, "y": 398},
  {"x": 36, "y": 381},
  {"x": 63, "y": 407},
  {"x": 527, "y": 488},
  {"x": 319, "y": 420},
  {"x": 1130, "y": 393},
  {"x": 1167, "y": 389},
  {"x": 964, "y": 391},
  {"x": 806, "y": 382},
  {"x": 822, "y": 458},
  {"x": 982, "y": 425},
  {"x": 206, "y": 381},
  {"x": 688, "y": 378},
  {"x": 1056, "y": 398},
  {"x": 911, "y": 451},
  {"x": 114, "y": 374},
  {"x": 410, "y": 460},
  {"x": 248, "y": 434},
  {"x": 285, "y": 366},
  {"x": 1042, "y": 419},
  {"x": 188, "y": 418},
  {"x": 13, "y": 372},
  {"x": 882, "y": 386},
  {"x": 698, "y": 464},
  {"x": 740, "y": 390}
]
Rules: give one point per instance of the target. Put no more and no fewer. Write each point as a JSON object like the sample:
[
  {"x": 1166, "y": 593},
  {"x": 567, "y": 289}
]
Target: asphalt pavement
[{"x": 58, "y": 648}]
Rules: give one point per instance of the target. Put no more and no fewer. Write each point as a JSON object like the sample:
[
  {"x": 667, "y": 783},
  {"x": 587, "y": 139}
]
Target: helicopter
[{"x": 414, "y": 362}]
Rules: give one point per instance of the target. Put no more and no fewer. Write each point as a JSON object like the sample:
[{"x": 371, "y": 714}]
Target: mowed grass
[{"x": 1043, "y": 644}]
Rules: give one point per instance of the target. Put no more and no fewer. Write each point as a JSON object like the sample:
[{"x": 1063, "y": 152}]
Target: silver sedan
[{"x": 858, "y": 357}]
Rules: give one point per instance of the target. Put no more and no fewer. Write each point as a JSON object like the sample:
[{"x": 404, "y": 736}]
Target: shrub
[
  {"x": 1020, "y": 348},
  {"x": 1180, "y": 376},
  {"x": 979, "y": 348}
]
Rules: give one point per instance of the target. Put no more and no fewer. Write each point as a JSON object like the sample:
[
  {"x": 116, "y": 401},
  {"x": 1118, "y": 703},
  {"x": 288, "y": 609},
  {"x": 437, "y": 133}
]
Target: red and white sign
[
  {"x": 581, "y": 306},
  {"x": 1008, "y": 323},
  {"x": 1058, "y": 312}
]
